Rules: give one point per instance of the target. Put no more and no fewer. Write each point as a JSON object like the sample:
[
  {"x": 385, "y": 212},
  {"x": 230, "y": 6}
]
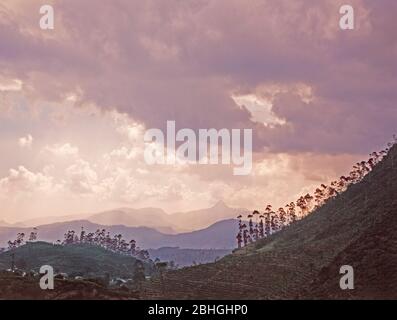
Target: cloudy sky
[{"x": 75, "y": 101}]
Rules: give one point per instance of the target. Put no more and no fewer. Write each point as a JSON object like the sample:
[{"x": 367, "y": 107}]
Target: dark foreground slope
[
  {"x": 357, "y": 228},
  {"x": 16, "y": 287}
]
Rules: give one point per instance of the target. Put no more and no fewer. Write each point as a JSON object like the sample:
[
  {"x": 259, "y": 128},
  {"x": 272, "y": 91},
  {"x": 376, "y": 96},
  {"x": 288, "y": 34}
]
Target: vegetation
[
  {"x": 75, "y": 260},
  {"x": 100, "y": 238},
  {"x": 14, "y": 286},
  {"x": 261, "y": 225}
]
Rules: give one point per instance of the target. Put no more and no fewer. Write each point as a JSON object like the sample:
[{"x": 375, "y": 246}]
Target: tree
[
  {"x": 251, "y": 227},
  {"x": 291, "y": 212},
  {"x": 255, "y": 235},
  {"x": 245, "y": 237},
  {"x": 273, "y": 222},
  {"x": 133, "y": 247},
  {"x": 82, "y": 235},
  {"x": 268, "y": 227},
  {"x": 33, "y": 235},
  {"x": 11, "y": 245},
  {"x": 318, "y": 197},
  {"x": 261, "y": 227},
  {"x": 139, "y": 274},
  {"x": 282, "y": 216},
  {"x": 20, "y": 239},
  {"x": 69, "y": 237},
  {"x": 239, "y": 238},
  {"x": 143, "y": 255}
]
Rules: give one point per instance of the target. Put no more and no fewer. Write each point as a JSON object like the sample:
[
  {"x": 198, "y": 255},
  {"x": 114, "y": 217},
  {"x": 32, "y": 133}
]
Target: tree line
[
  {"x": 101, "y": 237},
  {"x": 259, "y": 225}
]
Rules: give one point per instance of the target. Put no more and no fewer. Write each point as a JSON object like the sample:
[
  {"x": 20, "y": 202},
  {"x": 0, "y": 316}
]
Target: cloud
[
  {"x": 185, "y": 62},
  {"x": 315, "y": 96},
  {"x": 97, "y": 178},
  {"x": 21, "y": 180},
  {"x": 81, "y": 178},
  {"x": 10, "y": 84},
  {"x": 62, "y": 150},
  {"x": 25, "y": 142}
]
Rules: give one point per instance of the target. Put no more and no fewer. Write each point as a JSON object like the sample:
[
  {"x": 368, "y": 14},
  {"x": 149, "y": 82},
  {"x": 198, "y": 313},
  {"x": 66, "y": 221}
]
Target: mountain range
[
  {"x": 154, "y": 218},
  {"x": 220, "y": 235}
]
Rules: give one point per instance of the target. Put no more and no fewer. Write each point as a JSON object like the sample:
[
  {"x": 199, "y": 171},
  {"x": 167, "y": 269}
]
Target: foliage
[{"x": 262, "y": 225}]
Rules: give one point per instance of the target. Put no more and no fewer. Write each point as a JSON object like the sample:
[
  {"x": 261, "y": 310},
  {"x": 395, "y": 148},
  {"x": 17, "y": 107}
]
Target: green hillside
[
  {"x": 74, "y": 260},
  {"x": 358, "y": 228}
]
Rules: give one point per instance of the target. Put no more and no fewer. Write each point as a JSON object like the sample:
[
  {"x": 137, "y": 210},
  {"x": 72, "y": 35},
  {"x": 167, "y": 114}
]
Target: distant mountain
[
  {"x": 148, "y": 217},
  {"x": 48, "y": 220},
  {"x": 154, "y": 218},
  {"x": 4, "y": 224},
  {"x": 164, "y": 222},
  {"x": 220, "y": 235},
  {"x": 203, "y": 218}
]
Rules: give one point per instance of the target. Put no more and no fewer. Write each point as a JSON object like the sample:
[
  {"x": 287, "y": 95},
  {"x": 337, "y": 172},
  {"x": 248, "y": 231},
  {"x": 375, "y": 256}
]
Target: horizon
[{"x": 120, "y": 209}]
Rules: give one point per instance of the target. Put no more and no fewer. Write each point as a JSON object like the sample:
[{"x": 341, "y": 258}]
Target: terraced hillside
[{"x": 358, "y": 228}]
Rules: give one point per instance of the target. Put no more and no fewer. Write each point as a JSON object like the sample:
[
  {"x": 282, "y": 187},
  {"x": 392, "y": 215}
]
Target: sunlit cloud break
[{"x": 207, "y": 144}]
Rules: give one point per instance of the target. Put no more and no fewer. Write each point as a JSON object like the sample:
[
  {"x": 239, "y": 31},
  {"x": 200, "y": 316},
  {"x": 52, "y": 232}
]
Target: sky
[{"x": 76, "y": 101}]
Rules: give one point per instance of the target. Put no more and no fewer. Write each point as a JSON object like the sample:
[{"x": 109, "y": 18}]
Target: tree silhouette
[
  {"x": 271, "y": 221},
  {"x": 291, "y": 212},
  {"x": 261, "y": 227},
  {"x": 139, "y": 275},
  {"x": 33, "y": 235}
]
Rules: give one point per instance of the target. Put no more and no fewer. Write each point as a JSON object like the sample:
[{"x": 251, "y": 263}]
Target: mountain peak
[
  {"x": 4, "y": 223},
  {"x": 220, "y": 204}
]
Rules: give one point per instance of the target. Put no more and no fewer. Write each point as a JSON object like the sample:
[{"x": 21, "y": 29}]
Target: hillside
[
  {"x": 302, "y": 261},
  {"x": 187, "y": 257},
  {"x": 75, "y": 260},
  {"x": 221, "y": 235}
]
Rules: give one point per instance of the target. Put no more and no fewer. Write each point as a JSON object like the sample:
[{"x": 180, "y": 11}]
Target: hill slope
[
  {"x": 303, "y": 260},
  {"x": 187, "y": 257},
  {"x": 82, "y": 260},
  {"x": 15, "y": 287}
]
